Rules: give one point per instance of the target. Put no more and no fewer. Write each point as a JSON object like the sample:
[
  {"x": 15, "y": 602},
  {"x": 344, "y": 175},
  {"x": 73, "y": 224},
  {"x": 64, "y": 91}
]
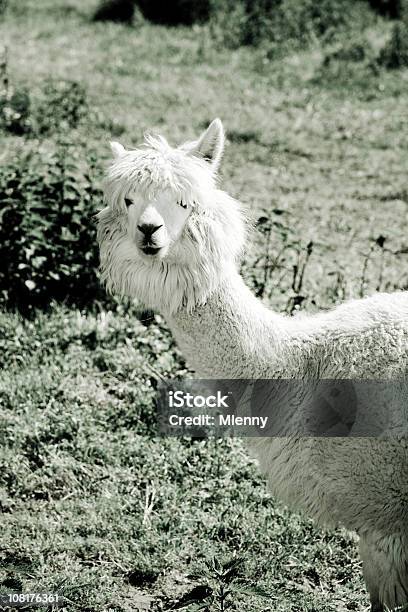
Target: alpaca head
[{"x": 168, "y": 234}]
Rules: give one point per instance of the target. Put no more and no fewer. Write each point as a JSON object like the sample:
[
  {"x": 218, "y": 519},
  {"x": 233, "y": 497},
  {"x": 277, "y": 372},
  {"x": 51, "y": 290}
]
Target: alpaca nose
[{"x": 148, "y": 229}]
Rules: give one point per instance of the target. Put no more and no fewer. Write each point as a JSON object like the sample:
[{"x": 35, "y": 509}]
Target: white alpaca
[{"x": 172, "y": 239}]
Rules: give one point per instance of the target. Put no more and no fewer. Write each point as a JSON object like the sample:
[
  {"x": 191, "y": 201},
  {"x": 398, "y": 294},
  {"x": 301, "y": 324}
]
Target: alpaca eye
[
  {"x": 182, "y": 204},
  {"x": 128, "y": 202}
]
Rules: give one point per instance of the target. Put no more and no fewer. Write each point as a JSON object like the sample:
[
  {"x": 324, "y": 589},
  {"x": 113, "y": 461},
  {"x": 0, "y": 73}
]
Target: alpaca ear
[
  {"x": 117, "y": 149},
  {"x": 210, "y": 145}
]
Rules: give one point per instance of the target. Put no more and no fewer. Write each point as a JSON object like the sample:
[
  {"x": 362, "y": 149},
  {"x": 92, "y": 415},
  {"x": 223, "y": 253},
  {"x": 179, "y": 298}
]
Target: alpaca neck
[{"x": 231, "y": 335}]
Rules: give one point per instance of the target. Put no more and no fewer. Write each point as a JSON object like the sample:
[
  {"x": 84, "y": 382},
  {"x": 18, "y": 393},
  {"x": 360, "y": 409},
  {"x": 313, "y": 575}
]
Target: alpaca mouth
[{"x": 148, "y": 250}]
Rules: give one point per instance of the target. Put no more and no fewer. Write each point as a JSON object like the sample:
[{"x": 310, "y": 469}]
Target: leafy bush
[
  {"x": 307, "y": 19},
  {"x": 62, "y": 107},
  {"x": 395, "y": 52},
  {"x": 47, "y": 238},
  {"x": 15, "y": 108},
  {"x": 14, "y": 103},
  {"x": 175, "y": 12},
  {"x": 121, "y": 11},
  {"x": 388, "y": 8},
  {"x": 244, "y": 22},
  {"x": 275, "y": 22},
  {"x": 347, "y": 61},
  {"x": 258, "y": 20},
  {"x": 350, "y": 51}
]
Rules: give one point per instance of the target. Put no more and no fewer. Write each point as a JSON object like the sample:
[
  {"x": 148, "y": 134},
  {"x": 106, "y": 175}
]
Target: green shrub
[
  {"x": 15, "y": 106},
  {"x": 243, "y": 22},
  {"x": 175, "y": 12},
  {"x": 121, "y": 11},
  {"x": 349, "y": 65},
  {"x": 14, "y": 103},
  {"x": 259, "y": 21},
  {"x": 62, "y": 107},
  {"x": 395, "y": 52},
  {"x": 350, "y": 51},
  {"x": 278, "y": 22},
  {"x": 388, "y": 8},
  {"x": 47, "y": 237},
  {"x": 308, "y": 19}
]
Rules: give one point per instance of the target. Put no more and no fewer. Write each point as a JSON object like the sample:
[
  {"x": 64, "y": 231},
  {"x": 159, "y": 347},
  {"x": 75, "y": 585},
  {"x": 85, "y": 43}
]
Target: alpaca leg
[
  {"x": 385, "y": 570},
  {"x": 371, "y": 577}
]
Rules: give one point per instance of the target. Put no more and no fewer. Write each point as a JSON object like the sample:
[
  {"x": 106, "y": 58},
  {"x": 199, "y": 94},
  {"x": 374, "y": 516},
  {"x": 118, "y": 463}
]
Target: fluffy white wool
[{"x": 225, "y": 332}]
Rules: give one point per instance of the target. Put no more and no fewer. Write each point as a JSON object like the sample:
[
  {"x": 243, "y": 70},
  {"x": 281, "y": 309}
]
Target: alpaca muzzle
[
  {"x": 148, "y": 245},
  {"x": 148, "y": 229}
]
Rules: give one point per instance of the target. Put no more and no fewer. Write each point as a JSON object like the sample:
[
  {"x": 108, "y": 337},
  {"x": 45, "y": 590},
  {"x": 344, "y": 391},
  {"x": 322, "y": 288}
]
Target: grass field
[{"x": 95, "y": 505}]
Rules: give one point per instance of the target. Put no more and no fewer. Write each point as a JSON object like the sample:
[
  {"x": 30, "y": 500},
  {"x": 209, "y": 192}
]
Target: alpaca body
[
  {"x": 169, "y": 237},
  {"x": 361, "y": 483},
  {"x": 305, "y": 472}
]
